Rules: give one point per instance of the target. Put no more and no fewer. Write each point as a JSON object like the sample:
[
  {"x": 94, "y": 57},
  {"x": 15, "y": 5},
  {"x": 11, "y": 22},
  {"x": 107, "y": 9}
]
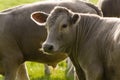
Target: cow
[
  {"x": 91, "y": 42},
  {"x": 21, "y": 38},
  {"x": 110, "y": 8}
]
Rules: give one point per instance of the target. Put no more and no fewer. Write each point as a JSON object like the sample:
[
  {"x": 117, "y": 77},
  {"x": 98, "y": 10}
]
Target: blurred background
[
  {"x": 10, "y": 3},
  {"x": 36, "y": 70}
]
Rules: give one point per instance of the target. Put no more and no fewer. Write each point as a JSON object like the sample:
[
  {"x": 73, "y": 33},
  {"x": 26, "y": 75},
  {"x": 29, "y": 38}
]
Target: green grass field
[
  {"x": 36, "y": 70},
  {"x": 10, "y": 3}
]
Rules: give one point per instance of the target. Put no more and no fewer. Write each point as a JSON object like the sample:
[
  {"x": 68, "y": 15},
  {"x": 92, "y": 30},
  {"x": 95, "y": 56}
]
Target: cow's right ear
[
  {"x": 75, "y": 19},
  {"x": 39, "y": 17}
]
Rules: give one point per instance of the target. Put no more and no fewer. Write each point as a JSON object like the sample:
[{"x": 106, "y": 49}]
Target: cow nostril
[{"x": 48, "y": 48}]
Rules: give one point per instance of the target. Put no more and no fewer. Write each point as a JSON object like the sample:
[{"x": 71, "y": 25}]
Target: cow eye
[{"x": 64, "y": 25}]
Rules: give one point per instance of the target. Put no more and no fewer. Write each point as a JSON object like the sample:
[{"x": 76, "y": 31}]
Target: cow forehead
[{"x": 56, "y": 19}]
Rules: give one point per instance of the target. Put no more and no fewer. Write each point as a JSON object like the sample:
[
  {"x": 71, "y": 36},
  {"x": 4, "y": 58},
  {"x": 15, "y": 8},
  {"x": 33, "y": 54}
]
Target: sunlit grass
[
  {"x": 36, "y": 72},
  {"x": 1, "y": 77},
  {"x": 10, "y": 3},
  {"x": 94, "y": 1}
]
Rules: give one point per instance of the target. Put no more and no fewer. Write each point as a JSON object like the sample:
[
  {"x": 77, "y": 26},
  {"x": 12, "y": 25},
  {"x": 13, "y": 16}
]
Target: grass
[
  {"x": 4, "y": 4},
  {"x": 10, "y": 3},
  {"x": 94, "y": 1},
  {"x": 36, "y": 70}
]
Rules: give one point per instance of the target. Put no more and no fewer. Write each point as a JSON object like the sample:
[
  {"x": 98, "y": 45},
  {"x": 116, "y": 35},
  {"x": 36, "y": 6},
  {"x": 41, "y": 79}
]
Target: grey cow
[
  {"x": 92, "y": 42},
  {"x": 110, "y": 8},
  {"x": 21, "y": 38}
]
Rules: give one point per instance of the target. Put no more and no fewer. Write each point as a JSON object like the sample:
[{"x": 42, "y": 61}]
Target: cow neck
[
  {"x": 83, "y": 32},
  {"x": 73, "y": 54},
  {"x": 87, "y": 28},
  {"x": 74, "y": 58}
]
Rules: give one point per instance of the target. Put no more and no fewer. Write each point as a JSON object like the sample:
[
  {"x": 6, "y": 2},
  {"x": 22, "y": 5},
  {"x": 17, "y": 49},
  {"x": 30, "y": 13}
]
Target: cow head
[{"x": 61, "y": 25}]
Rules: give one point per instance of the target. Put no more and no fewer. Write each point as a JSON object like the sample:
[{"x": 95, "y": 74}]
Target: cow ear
[
  {"x": 39, "y": 17},
  {"x": 75, "y": 19}
]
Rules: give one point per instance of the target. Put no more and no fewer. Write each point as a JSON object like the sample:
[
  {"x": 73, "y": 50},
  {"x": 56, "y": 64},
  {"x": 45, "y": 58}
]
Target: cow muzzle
[{"x": 48, "y": 48}]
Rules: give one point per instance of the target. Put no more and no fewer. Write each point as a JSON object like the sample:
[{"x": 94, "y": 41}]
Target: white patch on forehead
[{"x": 61, "y": 19}]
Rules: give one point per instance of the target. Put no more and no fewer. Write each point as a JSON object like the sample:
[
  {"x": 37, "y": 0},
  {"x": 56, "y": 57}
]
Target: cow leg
[
  {"x": 47, "y": 69},
  {"x": 22, "y": 73},
  {"x": 10, "y": 70},
  {"x": 12, "y": 58},
  {"x": 75, "y": 75},
  {"x": 69, "y": 69},
  {"x": 71, "y": 72}
]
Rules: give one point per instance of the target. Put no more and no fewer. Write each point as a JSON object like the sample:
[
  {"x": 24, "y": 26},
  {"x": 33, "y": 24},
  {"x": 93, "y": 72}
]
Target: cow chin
[
  {"x": 52, "y": 52},
  {"x": 56, "y": 51}
]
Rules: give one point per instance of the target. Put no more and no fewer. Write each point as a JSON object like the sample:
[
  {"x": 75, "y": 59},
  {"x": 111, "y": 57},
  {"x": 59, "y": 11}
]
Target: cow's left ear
[
  {"x": 39, "y": 17},
  {"x": 75, "y": 19}
]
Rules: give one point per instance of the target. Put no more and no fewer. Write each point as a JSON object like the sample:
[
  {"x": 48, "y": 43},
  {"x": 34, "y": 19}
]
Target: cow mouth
[
  {"x": 59, "y": 50},
  {"x": 50, "y": 52}
]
